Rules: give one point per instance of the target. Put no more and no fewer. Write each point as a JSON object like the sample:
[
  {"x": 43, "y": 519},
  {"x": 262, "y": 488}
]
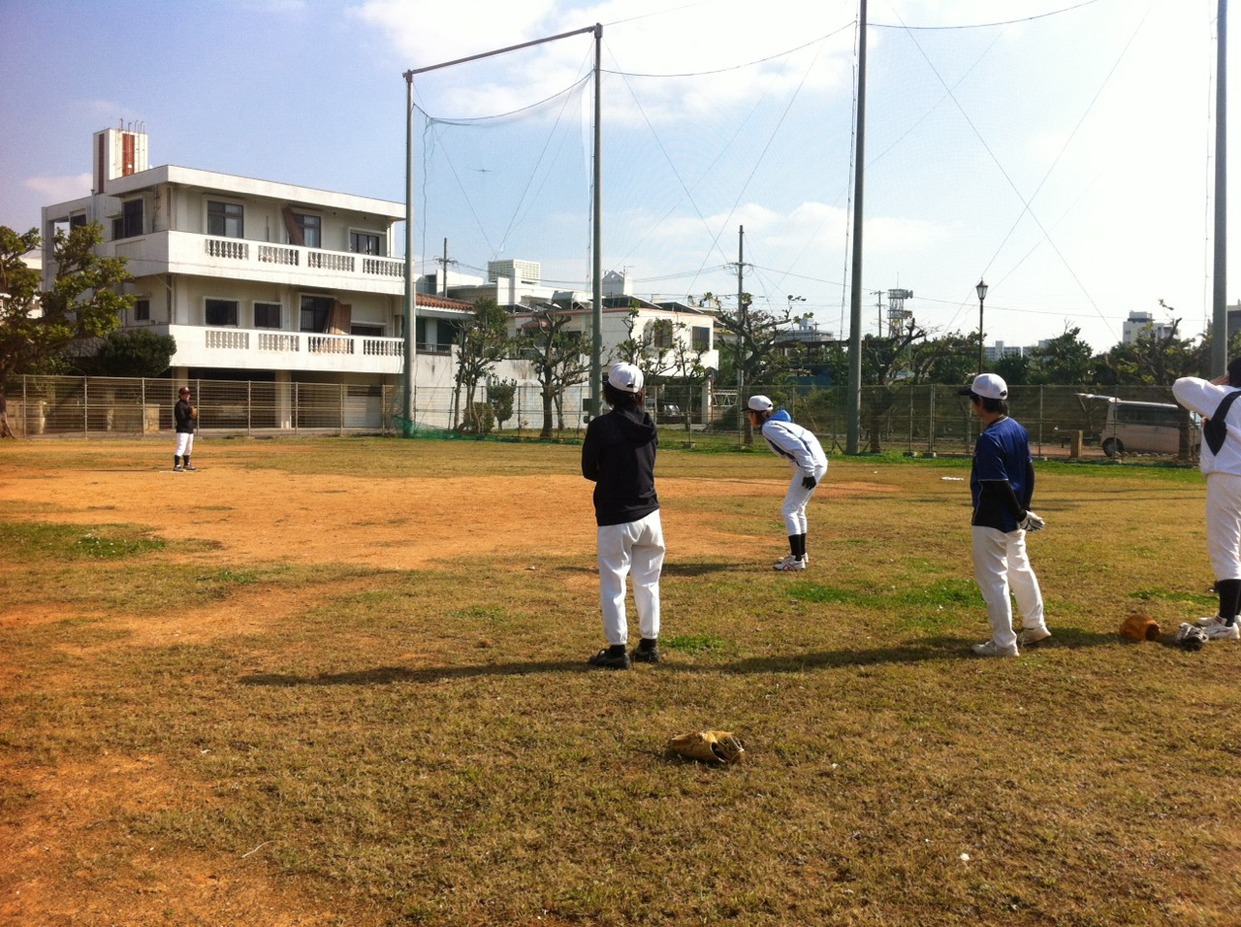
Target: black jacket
[
  {"x": 618, "y": 455},
  {"x": 185, "y": 421}
]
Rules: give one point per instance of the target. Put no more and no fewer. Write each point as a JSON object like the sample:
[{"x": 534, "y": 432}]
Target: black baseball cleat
[
  {"x": 647, "y": 651},
  {"x": 611, "y": 658}
]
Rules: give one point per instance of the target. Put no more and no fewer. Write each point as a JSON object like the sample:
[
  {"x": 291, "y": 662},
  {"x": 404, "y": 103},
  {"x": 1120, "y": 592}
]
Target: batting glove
[
  {"x": 809, "y": 482},
  {"x": 1031, "y": 522}
]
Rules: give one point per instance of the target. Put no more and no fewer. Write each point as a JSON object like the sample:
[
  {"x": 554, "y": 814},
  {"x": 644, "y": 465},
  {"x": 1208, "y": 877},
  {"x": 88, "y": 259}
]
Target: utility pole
[
  {"x": 1219, "y": 275},
  {"x": 854, "y": 409},
  {"x": 742, "y": 327},
  {"x": 444, "y": 262}
]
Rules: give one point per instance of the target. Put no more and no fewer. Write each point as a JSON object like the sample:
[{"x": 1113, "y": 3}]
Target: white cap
[
  {"x": 988, "y": 386},
  {"x": 625, "y": 377},
  {"x": 760, "y": 404}
]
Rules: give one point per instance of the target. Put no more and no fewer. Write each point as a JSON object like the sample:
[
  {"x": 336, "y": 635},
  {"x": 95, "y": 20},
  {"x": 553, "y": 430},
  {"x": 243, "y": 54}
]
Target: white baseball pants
[
  {"x": 185, "y": 443},
  {"x": 1224, "y": 524},
  {"x": 1000, "y": 565},
  {"x": 635, "y": 548},
  {"x": 797, "y": 498}
]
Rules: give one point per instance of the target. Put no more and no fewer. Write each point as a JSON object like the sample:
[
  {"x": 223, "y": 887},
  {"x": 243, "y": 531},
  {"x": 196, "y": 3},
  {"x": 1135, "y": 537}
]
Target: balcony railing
[
  {"x": 232, "y": 249},
  {"x": 283, "y": 350}
]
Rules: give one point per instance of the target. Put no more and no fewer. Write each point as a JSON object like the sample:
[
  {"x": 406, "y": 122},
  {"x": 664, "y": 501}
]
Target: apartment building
[{"x": 257, "y": 280}]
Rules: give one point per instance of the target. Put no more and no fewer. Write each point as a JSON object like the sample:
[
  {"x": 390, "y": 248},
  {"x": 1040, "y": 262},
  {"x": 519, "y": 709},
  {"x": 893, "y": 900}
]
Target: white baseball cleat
[
  {"x": 991, "y": 649},
  {"x": 791, "y": 563},
  {"x": 1032, "y": 636}
]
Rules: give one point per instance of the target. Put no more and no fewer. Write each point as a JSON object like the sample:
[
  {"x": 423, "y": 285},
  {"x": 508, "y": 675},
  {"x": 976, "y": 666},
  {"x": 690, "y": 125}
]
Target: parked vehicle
[{"x": 1131, "y": 427}]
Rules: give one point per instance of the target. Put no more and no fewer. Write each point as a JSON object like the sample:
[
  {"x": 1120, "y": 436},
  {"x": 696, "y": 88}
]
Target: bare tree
[{"x": 558, "y": 357}]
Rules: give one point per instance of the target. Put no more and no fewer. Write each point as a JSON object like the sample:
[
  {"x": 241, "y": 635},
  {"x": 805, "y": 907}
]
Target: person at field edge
[
  {"x": 1001, "y": 486},
  {"x": 185, "y": 416},
  {"x": 1219, "y": 459},
  {"x": 804, "y": 453},
  {"x": 618, "y": 456}
]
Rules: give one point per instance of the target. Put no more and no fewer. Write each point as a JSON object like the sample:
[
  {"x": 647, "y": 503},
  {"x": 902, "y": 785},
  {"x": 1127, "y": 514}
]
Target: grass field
[{"x": 343, "y": 682}]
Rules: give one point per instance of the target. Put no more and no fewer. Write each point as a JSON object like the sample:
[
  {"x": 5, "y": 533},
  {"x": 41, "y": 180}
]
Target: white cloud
[{"x": 60, "y": 188}]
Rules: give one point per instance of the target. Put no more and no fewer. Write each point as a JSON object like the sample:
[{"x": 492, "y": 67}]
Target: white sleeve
[{"x": 1198, "y": 395}]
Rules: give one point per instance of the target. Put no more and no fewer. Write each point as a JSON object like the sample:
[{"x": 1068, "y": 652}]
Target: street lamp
[{"x": 982, "y": 295}]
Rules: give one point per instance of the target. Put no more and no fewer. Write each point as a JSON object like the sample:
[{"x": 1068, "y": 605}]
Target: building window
[
  {"x": 364, "y": 243},
  {"x": 701, "y": 336},
  {"x": 142, "y": 310},
  {"x": 315, "y": 313},
  {"x": 267, "y": 315},
  {"x": 130, "y": 222},
  {"x": 311, "y": 228},
  {"x": 368, "y": 331},
  {"x": 222, "y": 312},
  {"x": 226, "y": 219},
  {"x": 77, "y": 219},
  {"x": 661, "y": 333}
]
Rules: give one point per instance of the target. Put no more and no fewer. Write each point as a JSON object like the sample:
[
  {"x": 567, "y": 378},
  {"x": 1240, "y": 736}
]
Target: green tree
[
  {"x": 500, "y": 394},
  {"x": 558, "y": 357},
  {"x": 481, "y": 343},
  {"x": 1064, "y": 361},
  {"x": 133, "y": 353},
  {"x": 1156, "y": 359},
  {"x": 950, "y": 359},
  {"x": 754, "y": 338},
  {"x": 85, "y": 300},
  {"x": 1014, "y": 368}
]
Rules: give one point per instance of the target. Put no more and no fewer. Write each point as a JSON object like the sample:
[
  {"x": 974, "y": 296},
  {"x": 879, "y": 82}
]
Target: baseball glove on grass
[
  {"x": 708, "y": 746},
  {"x": 1140, "y": 628}
]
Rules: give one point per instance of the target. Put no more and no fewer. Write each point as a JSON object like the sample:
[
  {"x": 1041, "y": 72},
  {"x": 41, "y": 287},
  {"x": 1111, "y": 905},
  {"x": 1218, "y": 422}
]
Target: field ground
[{"x": 342, "y": 682}]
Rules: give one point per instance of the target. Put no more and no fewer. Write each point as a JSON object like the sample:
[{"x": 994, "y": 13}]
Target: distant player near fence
[{"x": 186, "y": 419}]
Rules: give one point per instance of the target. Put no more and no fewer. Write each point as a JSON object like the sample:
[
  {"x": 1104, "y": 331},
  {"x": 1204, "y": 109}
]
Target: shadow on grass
[
  {"x": 922, "y": 651},
  {"x": 677, "y": 568}
]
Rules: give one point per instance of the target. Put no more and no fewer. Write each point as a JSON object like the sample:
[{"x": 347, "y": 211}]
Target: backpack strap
[{"x": 1215, "y": 429}]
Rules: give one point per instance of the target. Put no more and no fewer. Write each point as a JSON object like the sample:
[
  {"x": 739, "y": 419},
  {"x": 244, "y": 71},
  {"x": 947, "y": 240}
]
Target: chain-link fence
[{"x": 915, "y": 420}]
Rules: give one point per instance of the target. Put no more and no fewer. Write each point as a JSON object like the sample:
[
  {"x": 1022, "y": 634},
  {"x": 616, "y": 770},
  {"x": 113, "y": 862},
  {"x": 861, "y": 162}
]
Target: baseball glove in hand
[
  {"x": 708, "y": 746},
  {"x": 1031, "y": 522},
  {"x": 1140, "y": 628},
  {"x": 193, "y": 411}
]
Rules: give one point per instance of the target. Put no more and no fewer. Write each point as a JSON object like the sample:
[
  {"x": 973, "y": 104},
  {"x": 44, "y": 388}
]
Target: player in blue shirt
[{"x": 1002, "y": 485}]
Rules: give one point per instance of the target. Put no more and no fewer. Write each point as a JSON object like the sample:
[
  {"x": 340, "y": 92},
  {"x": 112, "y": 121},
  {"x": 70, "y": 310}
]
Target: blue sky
[{"x": 1061, "y": 149}]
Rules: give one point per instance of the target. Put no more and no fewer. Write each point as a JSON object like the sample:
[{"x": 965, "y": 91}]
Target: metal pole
[
  {"x": 1219, "y": 344},
  {"x": 596, "y": 335},
  {"x": 409, "y": 344},
  {"x": 980, "y": 302},
  {"x": 855, "y": 301},
  {"x": 742, "y": 328}
]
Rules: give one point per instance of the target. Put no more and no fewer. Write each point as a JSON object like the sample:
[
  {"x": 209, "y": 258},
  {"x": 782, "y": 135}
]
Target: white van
[{"x": 1145, "y": 427}]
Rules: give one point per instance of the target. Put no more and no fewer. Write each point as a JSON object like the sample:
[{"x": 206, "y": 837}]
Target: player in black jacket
[
  {"x": 186, "y": 417},
  {"x": 618, "y": 456}
]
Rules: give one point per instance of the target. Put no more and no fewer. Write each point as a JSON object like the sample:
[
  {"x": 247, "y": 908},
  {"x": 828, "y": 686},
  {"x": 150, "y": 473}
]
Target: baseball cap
[
  {"x": 760, "y": 404},
  {"x": 183, "y": 391},
  {"x": 625, "y": 377},
  {"x": 986, "y": 385}
]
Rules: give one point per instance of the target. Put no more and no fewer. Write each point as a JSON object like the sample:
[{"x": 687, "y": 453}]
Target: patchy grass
[{"x": 429, "y": 746}]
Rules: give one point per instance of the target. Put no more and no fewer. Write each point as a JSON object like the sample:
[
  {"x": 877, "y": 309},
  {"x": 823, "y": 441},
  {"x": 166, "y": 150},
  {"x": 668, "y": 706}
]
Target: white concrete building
[
  {"x": 256, "y": 280},
  {"x": 1143, "y": 324}
]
